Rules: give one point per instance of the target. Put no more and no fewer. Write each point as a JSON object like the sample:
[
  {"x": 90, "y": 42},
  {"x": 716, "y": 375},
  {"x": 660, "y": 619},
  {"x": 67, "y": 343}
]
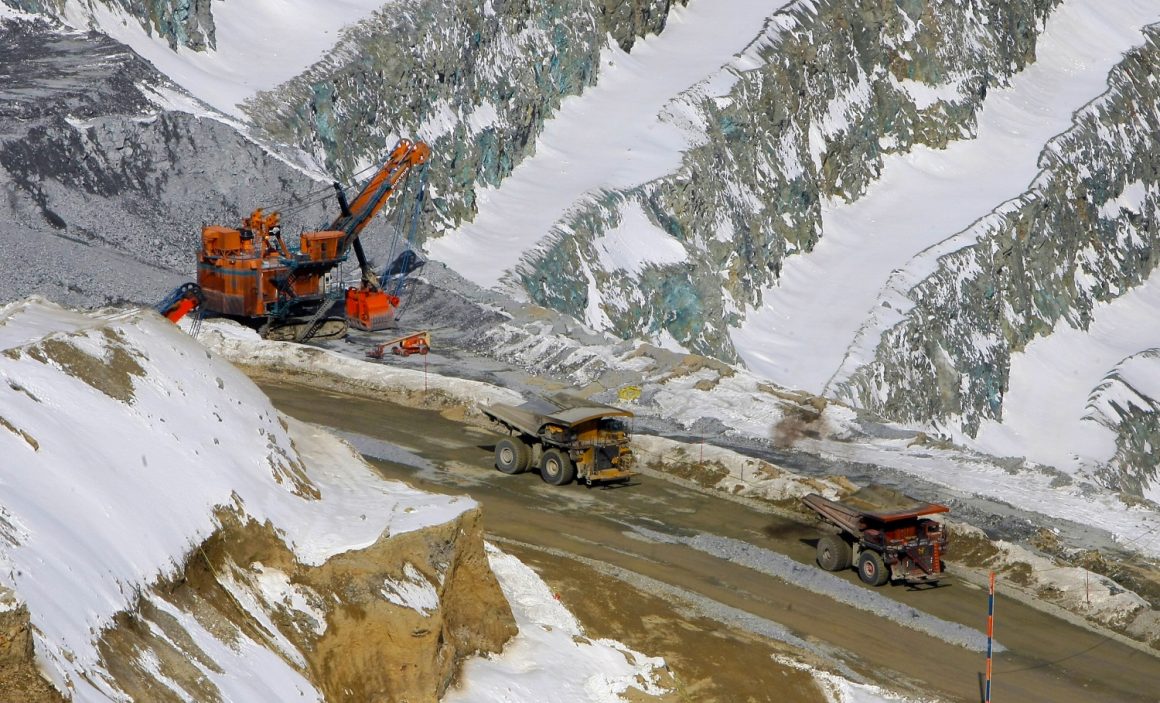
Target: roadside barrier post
[{"x": 990, "y": 634}]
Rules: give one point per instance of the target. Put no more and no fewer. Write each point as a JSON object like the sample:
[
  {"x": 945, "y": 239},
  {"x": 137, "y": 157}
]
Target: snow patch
[
  {"x": 412, "y": 591},
  {"x": 293, "y": 35},
  {"x": 551, "y": 658},
  {"x": 636, "y": 243}
]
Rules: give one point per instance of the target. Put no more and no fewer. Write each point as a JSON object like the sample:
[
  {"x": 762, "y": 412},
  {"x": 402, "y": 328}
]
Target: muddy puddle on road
[{"x": 717, "y": 622}]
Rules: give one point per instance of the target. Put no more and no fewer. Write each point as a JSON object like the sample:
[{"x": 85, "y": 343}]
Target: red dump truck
[{"x": 899, "y": 544}]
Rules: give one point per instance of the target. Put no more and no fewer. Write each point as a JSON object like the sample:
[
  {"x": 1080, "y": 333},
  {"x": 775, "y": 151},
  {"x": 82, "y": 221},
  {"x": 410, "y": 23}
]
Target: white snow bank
[
  {"x": 550, "y": 658},
  {"x": 107, "y": 484},
  {"x": 840, "y": 690},
  {"x": 242, "y": 345},
  {"x": 1072, "y": 588},
  {"x": 260, "y": 43},
  {"x": 747, "y": 476}
]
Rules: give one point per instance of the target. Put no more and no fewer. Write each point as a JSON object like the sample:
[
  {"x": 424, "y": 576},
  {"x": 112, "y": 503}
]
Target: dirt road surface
[{"x": 719, "y": 623}]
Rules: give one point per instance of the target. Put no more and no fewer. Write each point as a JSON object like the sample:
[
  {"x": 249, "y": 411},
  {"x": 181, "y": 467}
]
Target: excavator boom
[
  {"x": 360, "y": 211},
  {"x": 368, "y": 307}
]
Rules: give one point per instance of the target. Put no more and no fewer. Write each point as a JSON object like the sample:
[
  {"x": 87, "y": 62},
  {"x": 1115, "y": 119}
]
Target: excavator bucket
[
  {"x": 181, "y": 301},
  {"x": 370, "y": 310}
]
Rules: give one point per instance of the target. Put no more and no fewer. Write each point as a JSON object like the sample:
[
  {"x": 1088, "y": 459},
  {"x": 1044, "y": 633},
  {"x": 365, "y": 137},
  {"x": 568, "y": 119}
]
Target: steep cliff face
[
  {"x": 475, "y": 81},
  {"x": 390, "y": 622},
  {"x": 1085, "y": 232},
  {"x": 97, "y": 179},
  {"x": 836, "y": 86},
  {"x": 19, "y": 674},
  {"x": 1128, "y": 404},
  {"x": 184, "y": 23}
]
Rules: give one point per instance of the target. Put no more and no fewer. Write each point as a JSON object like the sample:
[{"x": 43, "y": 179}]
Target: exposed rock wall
[
  {"x": 391, "y": 622},
  {"x": 1085, "y": 232},
  {"x": 186, "y": 23},
  {"x": 1127, "y": 403},
  {"x": 626, "y": 20},
  {"x": 475, "y": 80},
  {"x": 838, "y": 84},
  {"x": 19, "y": 677},
  {"x": 96, "y": 181}
]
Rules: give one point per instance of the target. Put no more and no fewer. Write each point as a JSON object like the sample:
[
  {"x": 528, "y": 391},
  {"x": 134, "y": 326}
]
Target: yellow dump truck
[{"x": 566, "y": 437}]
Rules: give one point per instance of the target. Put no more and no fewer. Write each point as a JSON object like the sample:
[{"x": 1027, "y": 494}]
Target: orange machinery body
[
  {"x": 245, "y": 272},
  {"x": 369, "y": 309},
  {"x": 250, "y": 272},
  {"x": 416, "y": 343}
]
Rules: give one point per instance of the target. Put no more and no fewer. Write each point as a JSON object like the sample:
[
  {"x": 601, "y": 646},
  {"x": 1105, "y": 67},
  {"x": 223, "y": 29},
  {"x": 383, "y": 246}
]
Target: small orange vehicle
[{"x": 901, "y": 545}]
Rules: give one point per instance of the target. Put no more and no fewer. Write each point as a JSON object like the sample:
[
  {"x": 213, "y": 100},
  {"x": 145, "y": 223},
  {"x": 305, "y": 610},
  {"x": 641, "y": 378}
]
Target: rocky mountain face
[
  {"x": 335, "y": 625},
  {"x": 340, "y": 625},
  {"x": 475, "y": 81},
  {"x": 185, "y": 23},
  {"x": 1085, "y": 232},
  {"x": 1127, "y": 403},
  {"x": 838, "y": 85},
  {"x": 97, "y": 180}
]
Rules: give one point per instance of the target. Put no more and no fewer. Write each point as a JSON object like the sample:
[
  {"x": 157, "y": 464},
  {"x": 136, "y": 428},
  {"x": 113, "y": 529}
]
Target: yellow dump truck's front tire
[{"x": 557, "y": 468}]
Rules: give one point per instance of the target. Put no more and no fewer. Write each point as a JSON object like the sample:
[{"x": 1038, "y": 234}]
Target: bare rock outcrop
[{"x": 390, "y": 622}]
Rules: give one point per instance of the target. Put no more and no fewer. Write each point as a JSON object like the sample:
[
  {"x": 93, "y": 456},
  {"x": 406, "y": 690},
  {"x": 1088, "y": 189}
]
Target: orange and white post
[{"x": 990, "y": 634}]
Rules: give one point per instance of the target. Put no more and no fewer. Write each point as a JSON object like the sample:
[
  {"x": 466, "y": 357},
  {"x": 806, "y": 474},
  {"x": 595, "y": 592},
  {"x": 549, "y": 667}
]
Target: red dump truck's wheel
[
  {"x": 512, "y": 456},
  {"x": 834, "y": 554},
  {"x": 871, "y": 568}
]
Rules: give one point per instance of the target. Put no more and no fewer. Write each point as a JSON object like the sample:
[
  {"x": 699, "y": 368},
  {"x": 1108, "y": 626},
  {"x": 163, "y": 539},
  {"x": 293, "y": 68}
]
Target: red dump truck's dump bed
[{"x": 855, "y": 520}]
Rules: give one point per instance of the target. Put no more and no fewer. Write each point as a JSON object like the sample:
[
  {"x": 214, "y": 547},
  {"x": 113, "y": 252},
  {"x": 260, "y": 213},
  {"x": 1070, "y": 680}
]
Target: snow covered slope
[
  {"x": 256, "y": 45},
  {"x": 127, "y": 446},
  {"x": 809, "y": 322},
  {"x": 571, "y": 229},
  {"x": 121, "y": 438},
  {"x": 611, "y": 137}
]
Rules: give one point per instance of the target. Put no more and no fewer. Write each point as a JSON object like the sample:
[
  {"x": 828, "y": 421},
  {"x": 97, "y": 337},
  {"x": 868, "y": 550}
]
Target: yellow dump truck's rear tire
[
  {"x": 557, "y": 468},
  {"x": 512, "y": 455}
]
